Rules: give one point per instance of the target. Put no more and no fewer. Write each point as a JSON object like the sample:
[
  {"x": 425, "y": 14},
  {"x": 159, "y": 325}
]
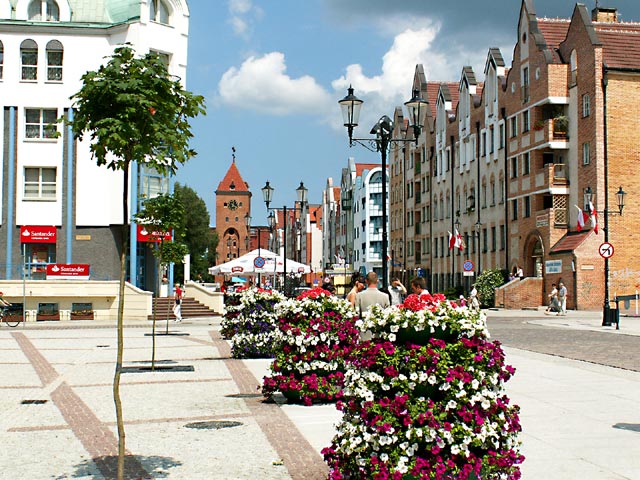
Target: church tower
[{"x": 233, "y": 204}]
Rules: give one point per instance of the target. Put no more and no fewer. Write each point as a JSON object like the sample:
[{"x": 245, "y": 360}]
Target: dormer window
[
  {"x": 43, "y": 11},
  {"x": 158, "y": 12}
]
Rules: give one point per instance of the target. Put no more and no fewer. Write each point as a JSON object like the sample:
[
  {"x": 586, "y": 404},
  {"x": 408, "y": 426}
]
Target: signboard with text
[
  {"x": 553, "y": 266},
  {"x": 37, "y": 234},
  {"x": 71, "y": 271},
  {"x": 149, "y": 235}
]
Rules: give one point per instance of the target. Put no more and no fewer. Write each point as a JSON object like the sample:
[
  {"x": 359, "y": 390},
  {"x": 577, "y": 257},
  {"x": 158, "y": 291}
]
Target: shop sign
[
  {"x": 542, "y": 220},
  {"x": 553, "y": 266},
  {"x": 71, "y": 271},
  {"x": 37, "y": 234},
  {"x": 148, "y": 235}
]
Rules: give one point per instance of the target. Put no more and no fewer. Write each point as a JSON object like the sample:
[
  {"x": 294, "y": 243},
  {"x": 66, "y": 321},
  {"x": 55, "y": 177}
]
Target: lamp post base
[{"x": 610, "y": 317}]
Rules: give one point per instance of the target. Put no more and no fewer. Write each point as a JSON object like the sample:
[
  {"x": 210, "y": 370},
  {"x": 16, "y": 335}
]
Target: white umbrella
[{"x": 249, "y": 264}]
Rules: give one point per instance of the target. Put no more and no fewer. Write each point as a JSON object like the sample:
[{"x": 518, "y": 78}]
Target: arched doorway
[{"x": 534, "y": 256}]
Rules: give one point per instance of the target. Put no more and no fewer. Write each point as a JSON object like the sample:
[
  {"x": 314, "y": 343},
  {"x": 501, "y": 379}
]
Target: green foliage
[
  {"x": 453, "y": 293},
  {"x": 135, "y": 111},
  {"x": 200, "y": 240},
  {"x": 165, "y": 213},
  {"x": 487, "y": 283}
]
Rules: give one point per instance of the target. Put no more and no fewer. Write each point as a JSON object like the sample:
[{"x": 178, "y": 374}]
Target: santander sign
[{"x": 37, "y": 234}]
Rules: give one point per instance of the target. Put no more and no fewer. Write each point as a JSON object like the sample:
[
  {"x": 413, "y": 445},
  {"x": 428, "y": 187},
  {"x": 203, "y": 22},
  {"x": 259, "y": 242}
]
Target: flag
[
  {"x": 459, "y": 241},
  {"x": 581, "y": 218},
  {"x": 452, "y": 241},
  {"x": 594, "y": 218}
]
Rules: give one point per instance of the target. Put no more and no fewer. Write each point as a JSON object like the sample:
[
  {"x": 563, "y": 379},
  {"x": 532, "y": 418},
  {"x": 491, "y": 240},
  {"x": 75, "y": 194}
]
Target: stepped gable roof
[
  {"x": 361, "y": 167},
  {"x": 621, "y": 43},
  {"x": 232, "y": 181},
  {"x": 336, "y": 193},
  {"x": 569, "y": 242},
  {"x": 497, "y": 56},
  {"x": 554, "y": 31},
  {"x": 432, "y": 96}
]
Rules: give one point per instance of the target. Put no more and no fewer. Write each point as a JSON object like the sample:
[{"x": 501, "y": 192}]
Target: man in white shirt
[
  {"x": 418, "y": 287},
  {"x": 371, "y": 295}
]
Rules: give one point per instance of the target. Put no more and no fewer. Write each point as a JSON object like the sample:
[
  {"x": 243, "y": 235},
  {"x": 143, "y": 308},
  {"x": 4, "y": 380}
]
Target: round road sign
[
  {"x": 606, "y": 250},
  {"x": 467, "y": 266},
  {"x": 258, "y": 262}
]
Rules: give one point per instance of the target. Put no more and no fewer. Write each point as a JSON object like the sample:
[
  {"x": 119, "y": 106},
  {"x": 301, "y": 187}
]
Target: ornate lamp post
[
  {"x": 381, "y": 142},
  {"x": 267, "y": 194},
  {"x": 607, "y": 319}
]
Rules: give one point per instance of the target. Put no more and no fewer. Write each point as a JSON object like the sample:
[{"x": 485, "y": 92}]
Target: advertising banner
[
  {"x": 71, "y": 271},
  {"x": 147, "y": 235},
  {"x": 37, "y": 234}
]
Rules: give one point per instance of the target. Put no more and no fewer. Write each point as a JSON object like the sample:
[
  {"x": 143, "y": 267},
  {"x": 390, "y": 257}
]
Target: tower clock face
[{"x": 233, "y": 204}]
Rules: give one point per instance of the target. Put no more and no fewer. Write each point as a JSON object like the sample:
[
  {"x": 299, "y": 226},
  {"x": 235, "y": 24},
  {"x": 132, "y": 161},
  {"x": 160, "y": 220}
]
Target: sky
[{"x": 272, "y": 72}]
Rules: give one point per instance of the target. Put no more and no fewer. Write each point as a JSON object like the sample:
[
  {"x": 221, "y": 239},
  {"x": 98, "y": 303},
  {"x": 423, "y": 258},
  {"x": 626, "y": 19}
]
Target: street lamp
[
  {"x": 247, "y": 223},
  {"x": 267, "y": 194},
  {"x": 607, "y": 319},
  {"x": 381, "y": 142}
]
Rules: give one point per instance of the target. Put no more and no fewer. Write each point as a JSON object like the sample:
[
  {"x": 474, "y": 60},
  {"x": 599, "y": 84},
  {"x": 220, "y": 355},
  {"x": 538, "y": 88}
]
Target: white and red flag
[
  {"x": 452, "y": 241},
  {"x": 582, "y": 218},
  {"x": 459, "y": 242},
  {"x": 594, "y": 218}
]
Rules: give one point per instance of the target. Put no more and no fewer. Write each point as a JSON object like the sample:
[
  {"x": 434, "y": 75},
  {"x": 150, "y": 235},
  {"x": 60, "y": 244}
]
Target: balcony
[{"x": 557, "y": 174}]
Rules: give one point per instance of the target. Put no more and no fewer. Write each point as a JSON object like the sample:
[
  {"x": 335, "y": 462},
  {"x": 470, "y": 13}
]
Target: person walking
[
  {"x": 554, "y": 304},
  {"x": 397, "y": 291},
  {"x": 358, "y": 284},
  {"x": 519, "y": 272},
  {"x": 418, "y": 287},
  {"x": 562, "y": 298},
  {"x": 474, "y": 302},
  {"x": 371, "y": 295},
  {"x": 177, "y": 308}
]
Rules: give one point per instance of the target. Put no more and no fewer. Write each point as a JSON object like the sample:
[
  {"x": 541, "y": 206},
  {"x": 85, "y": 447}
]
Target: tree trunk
[{"x": 119, "y": 356}]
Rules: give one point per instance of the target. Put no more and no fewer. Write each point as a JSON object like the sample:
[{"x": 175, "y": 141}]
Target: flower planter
[{"x": 423, "y": 337}]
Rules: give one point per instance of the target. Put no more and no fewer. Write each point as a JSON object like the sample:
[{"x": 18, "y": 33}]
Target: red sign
[
  {"x": 148, "y": 235},
  {"x": 37, "y": 234},
  {"x": 71, "y": 271},
  {"x": 237, "y": 269}
]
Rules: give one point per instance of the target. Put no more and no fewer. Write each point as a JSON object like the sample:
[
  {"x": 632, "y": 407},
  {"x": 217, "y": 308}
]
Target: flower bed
[
  {"x": 316, "y": 336},
  {"x": 425, "y": 399},
  {"x": 250, "y": 322}
]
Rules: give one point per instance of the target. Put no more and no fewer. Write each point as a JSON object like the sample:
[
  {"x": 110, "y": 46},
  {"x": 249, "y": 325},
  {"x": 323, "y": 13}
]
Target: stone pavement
[{"x": 580, "y": 420}]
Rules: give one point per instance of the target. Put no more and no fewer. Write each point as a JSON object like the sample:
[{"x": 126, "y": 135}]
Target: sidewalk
[{"x": 579, "y": 420}]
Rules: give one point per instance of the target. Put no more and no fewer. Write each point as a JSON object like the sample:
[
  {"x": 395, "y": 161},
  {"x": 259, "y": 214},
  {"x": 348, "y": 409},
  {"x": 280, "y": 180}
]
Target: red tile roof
[
  {"x": 569, "y": 242},
  {"x": 432, "y": 97},
  {"x": 621, "y": 44},
  {"x": 233, "y": 181},
  {"x": 361, "y": 167},
  {"x": 554, "y": 31}
]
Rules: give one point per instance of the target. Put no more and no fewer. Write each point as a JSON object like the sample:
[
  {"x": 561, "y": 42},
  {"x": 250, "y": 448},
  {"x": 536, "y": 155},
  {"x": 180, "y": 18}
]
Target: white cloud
[
  {"x": 262, "y": 84},
  {"x": 243, "y": 15},
  {"x": 239, "y": 6}
]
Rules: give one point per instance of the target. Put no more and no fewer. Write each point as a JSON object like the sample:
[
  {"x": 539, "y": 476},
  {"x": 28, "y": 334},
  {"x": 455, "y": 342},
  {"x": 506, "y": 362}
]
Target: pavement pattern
[{"x": 577, "y": 385}]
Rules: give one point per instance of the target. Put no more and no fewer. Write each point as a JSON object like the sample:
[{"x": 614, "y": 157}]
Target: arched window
[
  {"x": 54, "y": 61},
  {"x": 29, "y": 59},
  {"x": 159, "y": 12},
  {"x": 43, "y": 11}
]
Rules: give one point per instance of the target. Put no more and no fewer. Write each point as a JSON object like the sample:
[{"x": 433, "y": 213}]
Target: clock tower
[{"x": 233, "y": 204}]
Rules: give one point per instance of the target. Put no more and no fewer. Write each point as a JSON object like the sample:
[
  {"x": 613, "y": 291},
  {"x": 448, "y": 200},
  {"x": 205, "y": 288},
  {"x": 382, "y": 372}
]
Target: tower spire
[{"x": 233, "y": 154}]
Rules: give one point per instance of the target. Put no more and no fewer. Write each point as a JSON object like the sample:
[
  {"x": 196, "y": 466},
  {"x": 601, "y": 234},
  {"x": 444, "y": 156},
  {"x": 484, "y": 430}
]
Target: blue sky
[{"x": 273, "y": 71}]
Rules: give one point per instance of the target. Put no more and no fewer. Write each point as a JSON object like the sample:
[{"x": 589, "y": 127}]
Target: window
[
  {"x": 484, "y": 143},
  {"x": 484, "y": 195},
  {"x": 527, "y": 207},
  {"x": 492, "y": 139},
  {"x": 493, "y": 192},
  {"x": 41, "y": 123},
  {"x": 494, "y": 240},
  {"x": 586, "y": 154},
  {"x": 514, "y": 209},
  {"x": 526, "y": 163},
  {"x": 503, "y": 237},
  {"x": 158, "y": 12},
  {"x": 514, "y": 127},
  {"x": 514, "y": 167},
  {"x": 501, "y": 130},
  {"x": 1, "y": 59},
  {"x": 525, "y": 121},
  {"x": 586, "y": 105},
  {"x": 40, "y": 183},
  {"x": 43, "y": 11},
  {"x": 54, "y": 61},
  {"x": 29, "y": 59},
  {"x": 485, "y": 240}
]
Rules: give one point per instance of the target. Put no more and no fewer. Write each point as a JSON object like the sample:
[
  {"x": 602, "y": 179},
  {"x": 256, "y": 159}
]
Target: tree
[
  {"x": 487, "y": 283},
  {"x": 164, "y": 214},
  {"x": 200, "y": 239},
  {"x": 133, "y": 111}
]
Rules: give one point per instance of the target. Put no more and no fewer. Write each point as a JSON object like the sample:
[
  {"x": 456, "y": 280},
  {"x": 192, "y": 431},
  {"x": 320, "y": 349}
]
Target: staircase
[{"x": 191, "y": 308}]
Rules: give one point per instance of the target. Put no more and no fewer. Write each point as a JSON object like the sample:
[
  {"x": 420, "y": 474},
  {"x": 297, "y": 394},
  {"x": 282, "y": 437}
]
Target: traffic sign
[
  {"x": 258, "y": 262},
  {"x": 606, "y": 250},
  {"x": 467, "y": 266}
]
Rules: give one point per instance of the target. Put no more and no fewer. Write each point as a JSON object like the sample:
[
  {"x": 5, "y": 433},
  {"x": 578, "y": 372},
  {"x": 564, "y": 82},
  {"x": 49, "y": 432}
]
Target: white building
[{"x": 49, "y": 183}]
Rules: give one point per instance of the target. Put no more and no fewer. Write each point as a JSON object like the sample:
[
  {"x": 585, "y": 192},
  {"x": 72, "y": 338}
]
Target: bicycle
[{"x": 11, "y": 320}]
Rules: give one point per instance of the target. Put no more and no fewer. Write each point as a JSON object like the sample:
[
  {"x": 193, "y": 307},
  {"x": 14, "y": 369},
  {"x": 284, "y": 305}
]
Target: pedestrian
[
  {"x": 474, "y": 302},
  {"x": 519, "y": 272},
  {"x": 397, "y": 291},
  {"x": 371, "y": 295},
  {"x": 418, "y": 287},
  {"x": 177, "y": 308},
  {"x": 562, "y": 298},
  {"x": 462, "y": 301},
  {"x": 554, "y": 304},
  {"x": 358, "y": 285},
  {"x": 3, "y": 302}
]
